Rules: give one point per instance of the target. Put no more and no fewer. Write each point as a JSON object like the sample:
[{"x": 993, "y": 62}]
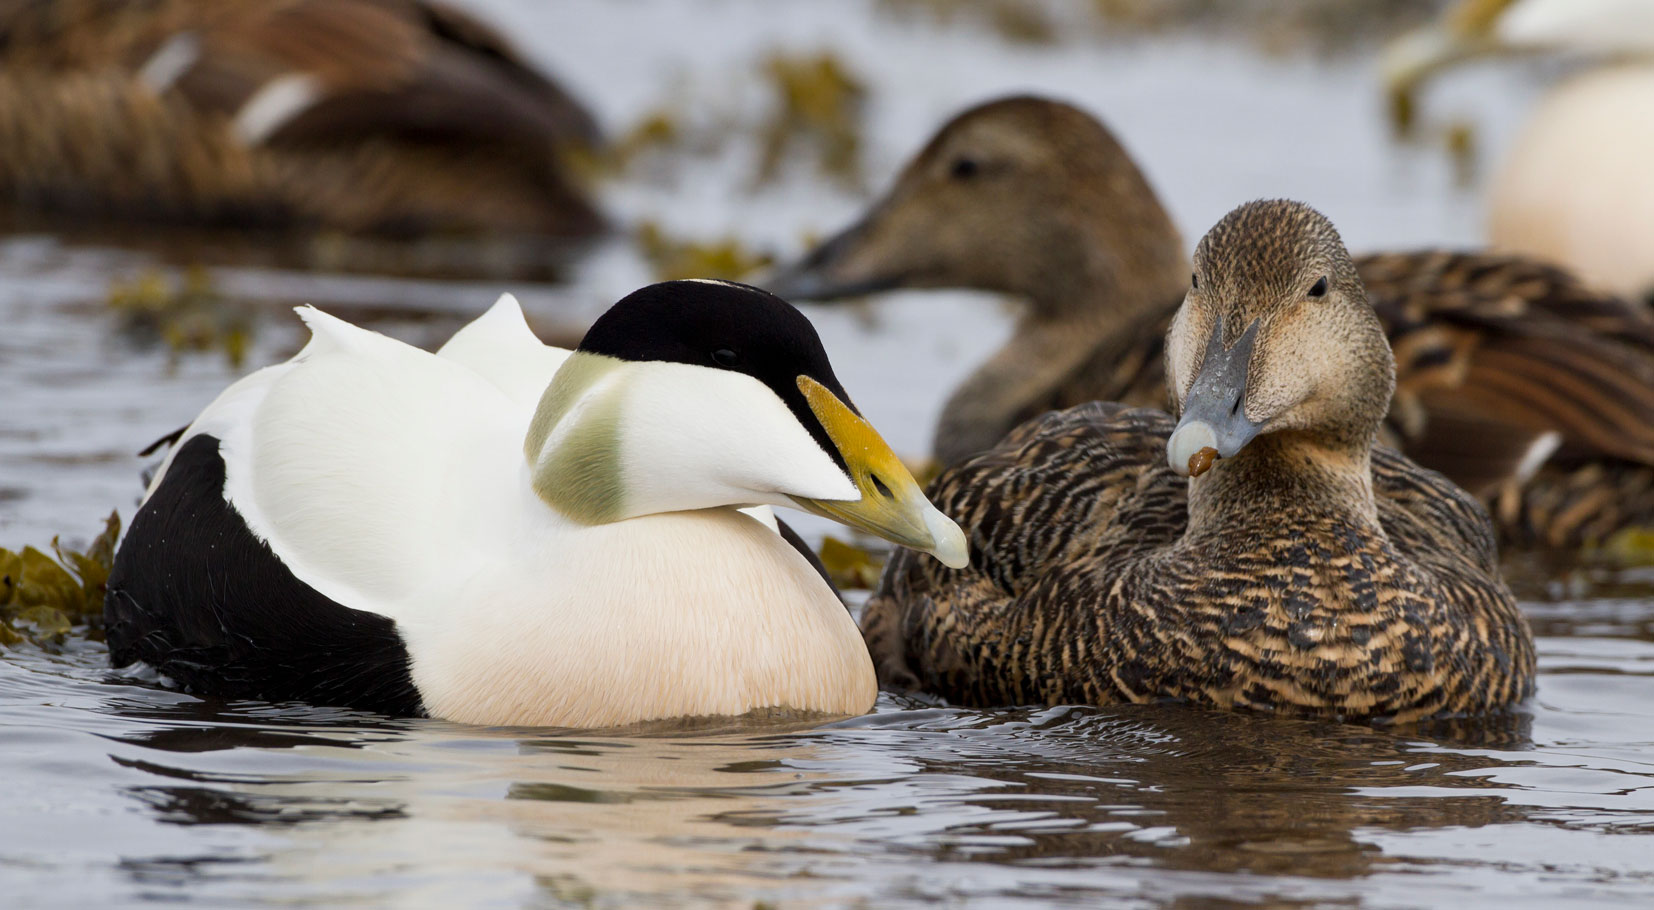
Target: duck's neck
[
  {"x": 1123, "y": 262},
  {"x": 1106, "y": 286},
  {"x": 1287, "y": 475},
  {"x": 1022, "y": 377}
]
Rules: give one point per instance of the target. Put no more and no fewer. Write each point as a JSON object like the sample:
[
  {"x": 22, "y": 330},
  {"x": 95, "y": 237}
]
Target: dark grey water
[
  {"x": 114, "y": 792},
  {"x": 117, "y": 793}
]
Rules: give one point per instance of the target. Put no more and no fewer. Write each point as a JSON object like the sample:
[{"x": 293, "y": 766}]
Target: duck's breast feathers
[
  {"x": 1088, "y": 476},
  {"x": 1087, "y": 584},
  {"x": 684, "y": 613}
]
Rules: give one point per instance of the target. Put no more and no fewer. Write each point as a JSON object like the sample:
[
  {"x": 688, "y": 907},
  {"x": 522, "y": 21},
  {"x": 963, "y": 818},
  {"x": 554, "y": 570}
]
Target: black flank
[{"x": 194, "y": 594}]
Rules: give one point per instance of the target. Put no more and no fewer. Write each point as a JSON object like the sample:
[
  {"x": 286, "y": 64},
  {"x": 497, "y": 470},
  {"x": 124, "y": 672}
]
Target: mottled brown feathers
[
  {"x": 1492, "y": 352},
  {"x": 1086, "y": 587},
  {"x": 378, "y": 116},
  {"x": 1307, "y": 571},
  {"x": 1518, "y": 382}
]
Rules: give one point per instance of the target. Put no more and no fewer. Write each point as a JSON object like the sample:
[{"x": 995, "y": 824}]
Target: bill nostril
[
  {"x": 1234, "y": 407},
  {"x": 881, "y": 487}
]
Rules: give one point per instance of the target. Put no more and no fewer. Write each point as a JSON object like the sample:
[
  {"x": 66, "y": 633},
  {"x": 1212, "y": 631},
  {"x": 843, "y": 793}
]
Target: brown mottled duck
[
  {"x": 1309, "y": 570},
  {"x": 393, "y": 117},
  {"x": 1515, "y": 380}
]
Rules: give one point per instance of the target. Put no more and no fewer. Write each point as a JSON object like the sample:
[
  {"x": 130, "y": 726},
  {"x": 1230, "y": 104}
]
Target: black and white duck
[{"x": 507, "y": 533}]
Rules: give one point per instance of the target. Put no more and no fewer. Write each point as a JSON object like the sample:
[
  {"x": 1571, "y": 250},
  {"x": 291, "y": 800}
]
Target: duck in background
[
  {"x": 370, "y": 525},
  {"x": 1517, "y": 381},
  {"x": 1301, "y": 569},
  {"x": 389, "y": 117},
  {"x": 1575, "y": 186}
]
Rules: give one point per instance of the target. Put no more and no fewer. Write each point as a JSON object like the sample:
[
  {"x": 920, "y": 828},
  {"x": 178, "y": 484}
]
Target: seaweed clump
[
  {"x": 1016, "y": 21},
  {"x": 1627, "y": 547},
  {"x": 850, "y": 566},
  {"x": 187, "y": 315},
  {"x": 818, "y": 103},
  {"x": 43, "y": 598},
  {"x": 813, "y": 109},
  {"x": 674, "y": 257}
]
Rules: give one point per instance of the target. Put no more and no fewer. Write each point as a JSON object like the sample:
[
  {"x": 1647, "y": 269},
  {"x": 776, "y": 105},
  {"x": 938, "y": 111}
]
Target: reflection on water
[
  {"x": 1154, "y": 804},
  {"x": 116, "y": 792}
]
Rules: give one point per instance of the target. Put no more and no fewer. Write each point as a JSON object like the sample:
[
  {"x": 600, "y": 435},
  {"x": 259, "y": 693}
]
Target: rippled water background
[{"x": 113, "y": 792}]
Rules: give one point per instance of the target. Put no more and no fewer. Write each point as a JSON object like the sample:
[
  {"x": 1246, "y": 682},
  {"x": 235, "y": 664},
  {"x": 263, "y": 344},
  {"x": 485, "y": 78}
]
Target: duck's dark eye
[
  {"x": 964, "y": 168},
  {"x": 726, "y": 358},
  {"x": 1319, "y": 289},
  {"x": 1194, "y": 282}
]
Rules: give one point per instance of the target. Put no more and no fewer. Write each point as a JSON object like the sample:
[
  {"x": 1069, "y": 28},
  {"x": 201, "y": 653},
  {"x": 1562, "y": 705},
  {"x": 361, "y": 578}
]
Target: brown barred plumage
[
  {"x": 369, "y": 116},
  {"x": 1313, "y": 572},
  {"x": 1084, "y": 587},
  {"x": 1493, "y": 352}
]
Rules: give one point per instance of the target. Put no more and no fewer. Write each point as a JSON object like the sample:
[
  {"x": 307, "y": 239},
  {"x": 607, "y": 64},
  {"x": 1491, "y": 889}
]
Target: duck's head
[
  {"x": 1274, "y": 336},
  {"x": 1023, "y": 195},
  {"x": 703, "y": 394}
]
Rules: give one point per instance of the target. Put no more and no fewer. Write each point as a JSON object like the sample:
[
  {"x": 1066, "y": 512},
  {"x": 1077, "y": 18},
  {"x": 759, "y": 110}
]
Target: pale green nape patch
[
  {"x": 580, "y": 477},
  {"x": 578, "y": 373}
]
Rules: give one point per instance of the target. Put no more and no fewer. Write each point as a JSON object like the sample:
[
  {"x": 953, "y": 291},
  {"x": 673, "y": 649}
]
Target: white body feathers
[
  {"x": 393, "y": 480},
  {"x": 1576, "y": 187}
]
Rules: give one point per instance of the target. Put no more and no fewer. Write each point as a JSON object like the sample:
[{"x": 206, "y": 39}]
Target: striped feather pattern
[
  {"x": 1086, "y": 586},
  {"x": 1492, "y": 352},
  {"x": 376, "y": 116}
]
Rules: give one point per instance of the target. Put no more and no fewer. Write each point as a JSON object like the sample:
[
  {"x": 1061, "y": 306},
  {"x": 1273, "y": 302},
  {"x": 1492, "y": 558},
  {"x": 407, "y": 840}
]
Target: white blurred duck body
[
  {"x": 564, "y": 580},
  {"x": 1574, "y": 187}
]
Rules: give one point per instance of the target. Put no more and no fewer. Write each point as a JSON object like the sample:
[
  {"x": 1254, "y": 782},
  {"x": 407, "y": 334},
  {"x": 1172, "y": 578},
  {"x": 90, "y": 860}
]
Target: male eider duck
[
  {"x": 1574, "y": 186},
  {"x": 374, "y": 526},
  {"x": 1306, "y": 571},
  {"x": 1516, "y": 381},
  {"x": 390, "y": 117}
]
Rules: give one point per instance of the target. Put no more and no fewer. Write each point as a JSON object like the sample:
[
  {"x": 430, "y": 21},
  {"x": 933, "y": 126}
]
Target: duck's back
[
  {"x": 1084, "y": 587},
  {"x": 365, "y": 115},
  {"x": 306, "y": 512}
]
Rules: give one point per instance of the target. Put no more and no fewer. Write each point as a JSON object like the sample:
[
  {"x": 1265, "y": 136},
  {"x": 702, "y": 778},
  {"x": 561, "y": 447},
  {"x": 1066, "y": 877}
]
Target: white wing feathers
[
  {"x": 382, "y": 473},
  {"x": 501, "y": 347}
]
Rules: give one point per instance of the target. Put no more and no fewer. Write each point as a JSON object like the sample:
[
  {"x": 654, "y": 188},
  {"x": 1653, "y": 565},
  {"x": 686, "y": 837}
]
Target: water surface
[{"x": 116, "y": 792}]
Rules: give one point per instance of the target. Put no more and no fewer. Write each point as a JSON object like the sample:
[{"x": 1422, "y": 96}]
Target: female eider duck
[
  {"x": 1523, "y": 386},
  {"x": 390, "y": 117},
  {"x": 374, "y": 526},
  {"x": 1307, "y": 570}
]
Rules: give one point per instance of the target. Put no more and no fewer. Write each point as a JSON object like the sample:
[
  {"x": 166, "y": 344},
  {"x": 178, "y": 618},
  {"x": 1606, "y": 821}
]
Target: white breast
[
  {"x": 1576, "y": 187},
  {"x": 694, "y": 613}
]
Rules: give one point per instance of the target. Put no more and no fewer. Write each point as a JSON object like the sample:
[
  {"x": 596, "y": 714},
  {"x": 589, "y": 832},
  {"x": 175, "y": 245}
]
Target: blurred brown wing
[
  {"x": 1502, "y": 362},
  {"x": 574, "y": 122},
  {"x": 330, "y": 70},
  {"x": 339, "y": 67}
]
